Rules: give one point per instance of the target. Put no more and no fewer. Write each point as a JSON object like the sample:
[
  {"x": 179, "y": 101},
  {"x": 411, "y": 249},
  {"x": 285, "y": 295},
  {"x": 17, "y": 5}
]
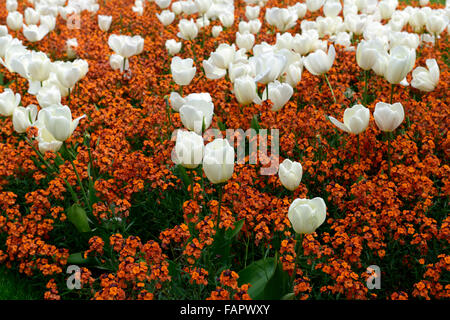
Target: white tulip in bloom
[
  {"x": 188, "y": 149},
  {"x": 218, "y": 161},
  {"x": 283, "y": 18},
  {"x": 293, "y": 74},
  {"x": 245, "y": 41},
  {"x": 245, "y": 90},
  {"x": 49, "y": 21},
  {"x": 290, "y": 174},
  {"x": 34, "y": 66},
  {"x": 223, "y": 55},
  {"x": 173, "y": 47},
  {"x": 126, "y": 46},
  {"x": 306, "y": 215},
  {"x": 196, "y": 113},
  {"x": 319, "y": 62},
  {"x": 400, "y": 63},
  {"x": 203, "y": 6},
  {"x": 188, "y": 29},
  {"x": 252, "y": 12},
  {"x": 244, "y": 27},
  {"x": 387, "y": 8},
  {"x": 226, "y": 19},
  {"x": 300, "y": 9},
  {"x": 367, "y": 53},
  {"x": 355, "y": 23},
  {"x": 314, "y": 5},
  {"x": 176, "y": 101},
  {"x": 53, "y": 81},
  {"x": 216, "y": 30},
  {"x": 104, "y": 22},
  {"x": 279, "y": 94},
  {"x": 58, "y": 121},
  {"x": 306, "y": 42},
  {"x": 177, "y": 7},
  {"x": 166, "y": 17},
  {"x": 436, "y": 23},
  {"x": 11, "y": 5},
  {"x": 66, "y": 73},
  {"x": 24, "y": 117},
  {"x": 46, "y": 141},
  {"x": 34, "y": 33},
  {"x": 48, "y": 95},
  {"x": 31, "y": 16},
  {"x": 3, "y": 31},
  {"x": 417, "y": 20},
  {"x": 8, "y": 102},
  {"x": 163, "y": 3},
  {"x": 426, "y": 80},
  {"x": 182, "y": 70},
  {"x": 240, "y": 69},
  {"x": 356, "y": 119},
  {"x": 71, "y": 45},
  {"x": 254, "y": 25},
  {"x": 213, "y": 72},
  {"x": 14, "y": 20},
  {"x": 332, "y": 8},
  {"x": 388, "y": 116},
  {"x": 268, "y": 66}
]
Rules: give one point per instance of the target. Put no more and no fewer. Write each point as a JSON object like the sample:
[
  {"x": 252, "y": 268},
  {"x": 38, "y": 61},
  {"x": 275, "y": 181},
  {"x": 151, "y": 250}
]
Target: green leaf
[
  {"x": 77, "y": 258},
  {"x": 278, "y": 285},
  {"x": 255, "y": 123},
  {"x": 288, "y": 296},
  {"x": 231, "y": 233},
  {"x": 221, "y": 125},
  {"x": 184, "y": 176},
  {"x": 78, "y": 217},
  {"x": 258, "y": 274}
]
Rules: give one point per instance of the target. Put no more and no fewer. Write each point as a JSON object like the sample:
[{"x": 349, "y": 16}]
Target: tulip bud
[
  {"x": 245, "y": 41},
  {"x": 163, "y": 3},
  {"x": 182, "y": 70},
  {"x": 245, "y": 90},
  {"x": 104, "y": 22},
  {"x": 400, "y": 63},
  {"x": 227, "y": 20},
  {"x": 188, "y": 29},
  {"x": 252, "y": 12},
  {"x": 314, "y": 5},
  {"x": 218, "y": 161},
  {"x": 436, "y": 23},
  {"x": 307, "y": 215},
  {"x": 166, "y": 17},
  {"x": 290, "y": 174},
  {"x": 426, "y": 80},
  {"x": 31, "y": 16},
  {"x": 216, "y": 30},
  {"x": 388, "y": 117},
  {"x": 279, "y": 94},
  {"x": 14, "y": 20},
  {"x": 173, "y": 47},
  {"x": 356, "y": 119},
  {"x": 8, "y": 102},
  {"x": 11, "y": 5},
  {"x": 24, "y": 117},
  {"x": 332, "y": 8},
  {"x": 188, "y": 150}
]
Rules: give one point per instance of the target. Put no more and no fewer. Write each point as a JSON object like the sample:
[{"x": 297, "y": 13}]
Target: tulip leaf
[
  {"x": 77, "y": 258},
  {"x": 231, "y": 233},
  {"x": 221, "y": 126},
  {"x": 78, "y": 217},
  {"x": 288, "y": 296},
  {"x": 277, "y": 287},
  {"x": 258, "y": 274},
  {"x": 255, "y": 123}
]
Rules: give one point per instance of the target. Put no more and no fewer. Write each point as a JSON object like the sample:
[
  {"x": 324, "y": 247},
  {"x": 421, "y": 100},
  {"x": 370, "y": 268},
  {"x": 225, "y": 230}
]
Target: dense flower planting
[{"x": 112, "y": 201}]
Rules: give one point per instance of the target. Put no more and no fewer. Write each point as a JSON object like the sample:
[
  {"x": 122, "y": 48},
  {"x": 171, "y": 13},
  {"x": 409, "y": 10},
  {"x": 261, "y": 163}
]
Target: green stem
[
  {"x": 392, "y": 93},
  {"x": 359, "y": 157},
  {"x": 48, "y": 165},
  {"x": 68, "y": 101},
  {"x": 168, "y": 111},
  {"x": 365, "y": 87},
  {"x": 297, "y": 257},
  {"x": 331, "y": 89},
  {"x": 389, "y": 153},
  {"x": 220, "y": 204},
  {"x": 79, "y": 182}
]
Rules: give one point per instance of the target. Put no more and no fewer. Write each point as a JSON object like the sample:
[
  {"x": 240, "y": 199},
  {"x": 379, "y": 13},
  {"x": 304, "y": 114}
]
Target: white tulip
[
  {"x": 307, "y": 215},
  {"x": 24, "y": 117},
  {"x": 31, "y": 16},
  {"x": 71, "y": 45},
  {"x": 426, "y": 80},
  {"x": 203, "y": 6},
  {"x": 34, "y": 33},
  {"x": 176, "y": 101},
  {"x": 172, "y": 46},
  {"x": 226, "y": 20},
  {"x": 278, "y": 93},
  {"x": 58, "y": 121},
  {"x": 240, "y": 69},
  {"x": 332, "y": 8},
  {"x": 166, "y": 17},
  {"x": 188, "y": 150},
  {"x": 319, "y": 62},
  {"x": 195, "y": 114},
  {"x": 387, "y": 8},
  {"x": 49, "y": 21},
  {"x": 188, "y": 29},
  {"x": 400, "y": 63},
  {"x": 252, "y": 12},
  {"x": 223, "y": 55},
  {"x": 104, "y": 22},
  {"x": 213, "y": 72},
  {"x": 126, "y": 46},
  {"x": 189, "y": 7},
  {"x": 182, "y": 70},
  {"x": 388, "y": 117},
  {"x": 356, "y": 119},
  {"x": 436, "y": 23},
  {"x": 218, "y": 161},
  {"x": 8, "y": 102},
  {"x": 11, "y": 5},
  {"x": 269, "y": 66},
  {"x": 245, "y": 90},
  {"x": 254, "y": 25},
  {"x": 14, "y": 20},
  {"x": 3, "y": 31},
  {"x": 314, "y": 5},
  {"x": 163, "y": 3},
  {"x": 283, "y": 18},
  {"x": 293, "y": 74},
  {"x": 177, "y": 7},
  {"x": 46, "y": 141},
  {"x": 48, "y": 95},
  {"x": 367, "y": 53},
  {"x": 216, "y": 30},
  {"x": 245, "y": 41},
  {"x": 67, "y": 73},
  {"x": 300, "y": 9},
  {"x": 290, "y": 174},
  {"x": 34, "y": 66}
]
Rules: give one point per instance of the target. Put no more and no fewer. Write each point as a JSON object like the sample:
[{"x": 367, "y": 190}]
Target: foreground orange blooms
[{"x": 161, "y": 249}]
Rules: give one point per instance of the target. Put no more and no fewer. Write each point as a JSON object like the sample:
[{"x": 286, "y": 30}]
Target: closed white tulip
[
  {"x": 126, "y": 46},
  {"x": 319, "y": 62},
  {"x": 314, "y": 5},
  {"x": 11, "y": 5},
  {"x": 245, "y": 41},
  {"x": 34, "y": 66},
  {"x": 279, "y": 94},
  {"x": 104, "y": 22},
  {"x": 290, "y": 174},
  {"x": 182, "y": 70},
  {"x": 367, "y": 53},
  {"x": 49, "y": 21},
  {"x": 387, "y": 8},
  {"x": 216, "y": 30},
  {"x": 306, "y": 215},
  {"x": 245, "y": 90},
  {"x": 223, "y": 55},
  {"x": 48, "y": 95},
  {"x": 426, "y": 80},
  {"x": 436, "y": 23},
  {"x": 166, "y": 17},
  {"x": 58, "y": 121},
  {"x": 67, "y": 73},
  {"x": 31, "y": 16},
  {"x": 252, "y": 12},
  {"x": 203, "y": 6},
  {"x": 176, "y": 101},
  {"x": 24, "y": 117},
  {"x": 218, "y": 161},
  {"x": 195, "y": 114},
  {"x": 388, "y": 117},
  {"x": 226, "y": 20},
  {"x": 46, "y": 141},
  {"x": 71, "y": 45},
  {"x": 188, "y": 149},
  {"x": 332, "y": 8},
  {"x": 34, "y": 33},
  {"x": 356, "y": 119},
  {"x": 293, "y": 74},
  {"x": 3, "y": 31},
  {"x": 188, "y": 29},
  {"x": 163, "y": 3},
  {"x": 14, "y": 20},
  {"x": 400, "y": 63},
  {"x": 8, "y": 102},
  {"x": 283, "y": 18},
  {"x": 173, "y": 47}
]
